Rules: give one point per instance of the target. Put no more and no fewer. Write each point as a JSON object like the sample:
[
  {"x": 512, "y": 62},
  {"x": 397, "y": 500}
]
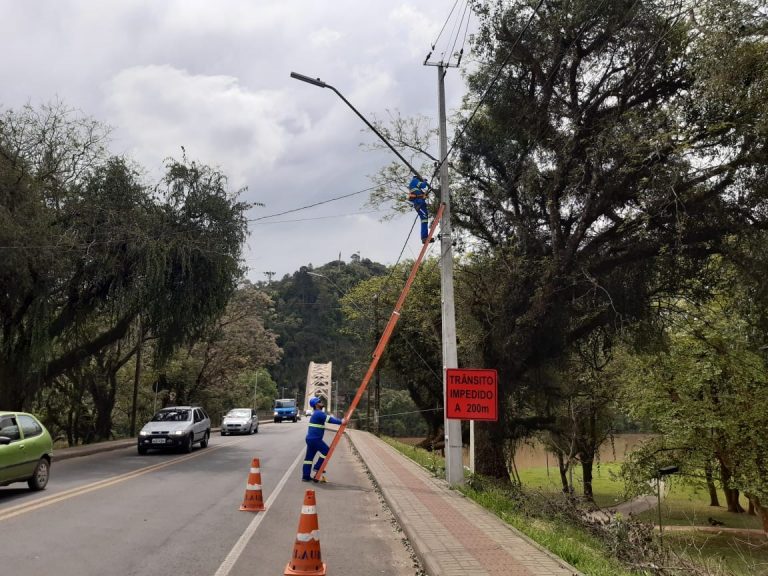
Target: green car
[{"x": 26, "y": 450}]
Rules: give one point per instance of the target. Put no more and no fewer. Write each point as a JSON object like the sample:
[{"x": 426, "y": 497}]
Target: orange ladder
[{"x": 383, "y": 341}]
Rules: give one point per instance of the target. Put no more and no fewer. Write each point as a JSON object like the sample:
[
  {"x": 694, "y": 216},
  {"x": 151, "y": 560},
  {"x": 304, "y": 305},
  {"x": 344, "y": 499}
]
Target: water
[{"x": 533, "y": 455}]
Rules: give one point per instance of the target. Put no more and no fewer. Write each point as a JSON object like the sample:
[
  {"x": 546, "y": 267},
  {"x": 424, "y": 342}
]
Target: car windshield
[
  {"x": 285, "y": 404},
  {"x": 172, "y": 416},
  {"x": 239, "y": 413}
]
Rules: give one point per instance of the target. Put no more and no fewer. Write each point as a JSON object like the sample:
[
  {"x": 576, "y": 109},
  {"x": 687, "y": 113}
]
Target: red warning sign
[{"x": 471, "y": 394}]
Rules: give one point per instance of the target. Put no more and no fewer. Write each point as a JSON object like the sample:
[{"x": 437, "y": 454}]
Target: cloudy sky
[{"x": 213, "y": 76}]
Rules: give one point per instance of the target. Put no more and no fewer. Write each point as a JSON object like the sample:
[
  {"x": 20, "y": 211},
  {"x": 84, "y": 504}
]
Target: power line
[
  {"x": 312, "y": 205},
  {"x": 492, "y": 83},
  {"x": 322, "y": 217},
  {"x": 439, "y": 34}
]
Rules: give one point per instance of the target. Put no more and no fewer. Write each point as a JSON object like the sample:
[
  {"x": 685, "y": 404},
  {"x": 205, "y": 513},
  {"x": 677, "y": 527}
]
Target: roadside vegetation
[{"x": 627, "y": 545}]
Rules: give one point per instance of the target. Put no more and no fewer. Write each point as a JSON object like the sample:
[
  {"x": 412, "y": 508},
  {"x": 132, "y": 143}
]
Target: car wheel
[
  {"x": 256, "y": 430},
  {"x": 142, "y": 450},
  {"x": 223, "y": 433},
  {"x": 204, "y": 441},
  {"x": 277, "y": 420},
  {"x": 39, "y": 478},
  {"x": 187, "y": 446},
  {"x": 294, "y": 420}
]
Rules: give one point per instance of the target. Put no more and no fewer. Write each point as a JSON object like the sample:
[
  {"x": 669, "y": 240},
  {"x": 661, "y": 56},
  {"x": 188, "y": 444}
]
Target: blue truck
[{"x": 286, "y": 409}]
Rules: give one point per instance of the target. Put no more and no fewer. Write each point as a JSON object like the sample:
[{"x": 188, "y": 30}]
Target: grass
[
  {"x": 687, "y": 505},
  {"x": 607, "y": 491},
  {"x": 742, "y": 555}
]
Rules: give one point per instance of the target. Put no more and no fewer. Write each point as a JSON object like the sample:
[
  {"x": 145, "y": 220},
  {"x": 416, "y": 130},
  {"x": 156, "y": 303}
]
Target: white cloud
[
  {"x": 325, "y": 37},
  {"x": 160, "y": 108}
]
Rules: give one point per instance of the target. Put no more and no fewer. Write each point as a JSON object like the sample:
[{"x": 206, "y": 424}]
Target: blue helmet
[{"x": 313, "y": 402}]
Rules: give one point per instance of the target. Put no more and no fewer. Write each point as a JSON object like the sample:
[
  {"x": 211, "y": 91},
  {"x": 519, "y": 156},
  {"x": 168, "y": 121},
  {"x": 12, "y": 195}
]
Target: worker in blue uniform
[
  {"x": 315, "y": 432},
  {"x": 417, "y": 195}
]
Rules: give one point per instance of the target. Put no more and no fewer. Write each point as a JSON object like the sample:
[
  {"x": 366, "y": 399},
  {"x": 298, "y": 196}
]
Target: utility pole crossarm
[{"x": 383, "y": 341}]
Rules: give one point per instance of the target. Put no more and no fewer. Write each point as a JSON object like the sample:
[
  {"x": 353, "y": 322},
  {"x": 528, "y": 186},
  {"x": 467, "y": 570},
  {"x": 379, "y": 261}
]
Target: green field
[{"x": 606, "y": 489}]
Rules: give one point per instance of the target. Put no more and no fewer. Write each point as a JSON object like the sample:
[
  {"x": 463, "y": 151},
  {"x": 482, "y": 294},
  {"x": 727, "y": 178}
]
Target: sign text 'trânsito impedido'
[{"x": 471, "y": 394}]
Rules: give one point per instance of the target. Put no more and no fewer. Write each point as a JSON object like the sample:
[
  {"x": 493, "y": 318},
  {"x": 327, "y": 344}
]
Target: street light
[
  {"x": 321, "y": 84},
  {"x": 660, "y": 473}
]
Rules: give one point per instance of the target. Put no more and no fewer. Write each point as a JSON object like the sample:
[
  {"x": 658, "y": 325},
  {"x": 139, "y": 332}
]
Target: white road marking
[{"x": 242, "y": 542}]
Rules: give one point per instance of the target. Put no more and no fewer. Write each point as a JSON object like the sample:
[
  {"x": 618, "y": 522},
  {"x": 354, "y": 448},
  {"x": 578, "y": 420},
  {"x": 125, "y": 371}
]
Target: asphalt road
[{"x": 117, "y": 513}]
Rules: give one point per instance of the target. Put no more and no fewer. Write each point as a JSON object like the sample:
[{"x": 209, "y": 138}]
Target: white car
[
  {"x": 240, "y": 421},
  {"x": 176, "y": 427}
]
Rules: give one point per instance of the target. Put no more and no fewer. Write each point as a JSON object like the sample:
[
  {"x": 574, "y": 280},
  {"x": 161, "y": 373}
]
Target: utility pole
[
  {"x": 137, "y": 378},
  {"x": 454, "y": 466}
]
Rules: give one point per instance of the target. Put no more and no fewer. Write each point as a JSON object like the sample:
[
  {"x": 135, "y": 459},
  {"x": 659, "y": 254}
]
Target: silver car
[
  {"x": 240, "y": 421},
  {"x": 176, "y": 427}
]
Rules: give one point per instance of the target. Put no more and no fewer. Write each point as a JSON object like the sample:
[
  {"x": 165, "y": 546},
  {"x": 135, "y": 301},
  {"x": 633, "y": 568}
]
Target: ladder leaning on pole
[{"x": 383, "y": 341}]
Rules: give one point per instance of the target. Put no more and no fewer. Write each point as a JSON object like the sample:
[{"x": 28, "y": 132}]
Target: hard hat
[{"x": 315, "y": 401}]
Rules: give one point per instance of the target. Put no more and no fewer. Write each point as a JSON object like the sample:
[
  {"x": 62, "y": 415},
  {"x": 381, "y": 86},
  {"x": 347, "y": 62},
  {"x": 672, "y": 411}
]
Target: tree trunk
[
  {"x": 713, "y": 498},
  {"x": 563, "y": 468},
  {"x": 490, "y": 457},
  {"x": 731, "y": 494},
  {"x": 762, "y": 512},
  {"x": 586, "y": 469},
  {"x": 103, "y": 388},
  {"x": 11, "y": 388}
]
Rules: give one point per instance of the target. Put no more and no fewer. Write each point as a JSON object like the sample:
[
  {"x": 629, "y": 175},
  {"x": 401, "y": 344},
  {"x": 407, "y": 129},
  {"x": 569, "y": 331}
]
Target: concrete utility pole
[{"x": 454, "y": 466}]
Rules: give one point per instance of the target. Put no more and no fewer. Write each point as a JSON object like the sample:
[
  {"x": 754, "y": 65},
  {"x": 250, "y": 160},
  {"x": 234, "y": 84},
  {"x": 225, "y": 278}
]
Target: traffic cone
[
  {"x": 306, "y": 560},
  {"x": 253, "y": 501}
]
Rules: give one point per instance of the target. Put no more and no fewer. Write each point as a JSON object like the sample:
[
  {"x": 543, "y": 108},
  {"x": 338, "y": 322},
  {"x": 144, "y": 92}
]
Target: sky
[{"x": 214, "y": 77}]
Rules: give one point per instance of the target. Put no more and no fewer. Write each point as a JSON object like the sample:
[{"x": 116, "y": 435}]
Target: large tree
[
  {"x": 611, "y": 146},
  {"x": 89, "y": 247}
]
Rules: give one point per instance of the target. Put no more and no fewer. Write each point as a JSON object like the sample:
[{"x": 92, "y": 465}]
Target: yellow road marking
[{"x": 19, "y": 509}]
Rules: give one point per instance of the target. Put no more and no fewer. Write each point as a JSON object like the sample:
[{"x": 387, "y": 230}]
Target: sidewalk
[
  {"x": 88, "y": 449},
  {"x": 451, "y": 535}
]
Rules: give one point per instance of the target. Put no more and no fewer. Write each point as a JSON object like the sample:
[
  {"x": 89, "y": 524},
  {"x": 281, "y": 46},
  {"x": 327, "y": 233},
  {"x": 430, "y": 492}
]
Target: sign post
[{"x": 471, "y": 394}]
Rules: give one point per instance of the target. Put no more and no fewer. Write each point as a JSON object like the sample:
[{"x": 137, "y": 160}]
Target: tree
[
  {"x": 612, "y": 147},
  {"x": 583, "y": 407},
  {"x": 91, "y": 247},
  {"x": 705, "y": 393},
  {"x": 220, "y": 369}
]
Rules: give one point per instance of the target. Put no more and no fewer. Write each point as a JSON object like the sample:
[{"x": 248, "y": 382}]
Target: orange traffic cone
[
  {"x": 253, "y": 501},
  {"x": 306, "y": 559}
]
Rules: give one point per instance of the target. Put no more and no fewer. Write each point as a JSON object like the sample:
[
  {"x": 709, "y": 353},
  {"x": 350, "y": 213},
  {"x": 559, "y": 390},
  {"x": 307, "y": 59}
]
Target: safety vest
[{"x": 317, "y": 423}]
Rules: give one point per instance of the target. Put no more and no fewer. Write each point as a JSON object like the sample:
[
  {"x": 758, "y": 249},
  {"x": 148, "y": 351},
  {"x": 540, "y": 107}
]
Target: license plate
[{"x": 158, "y": 440}]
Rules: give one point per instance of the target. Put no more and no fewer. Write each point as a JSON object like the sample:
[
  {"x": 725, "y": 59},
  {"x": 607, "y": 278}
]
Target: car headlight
[
  {"x": 144, "y": 433},
  {"x": 179, "y": 432},
  {"x": 276, "y": 414}
]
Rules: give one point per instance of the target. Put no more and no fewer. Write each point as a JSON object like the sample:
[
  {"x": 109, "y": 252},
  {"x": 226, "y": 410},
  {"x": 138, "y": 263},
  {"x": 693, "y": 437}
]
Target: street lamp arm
[{"x": 321, "y": 84}]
